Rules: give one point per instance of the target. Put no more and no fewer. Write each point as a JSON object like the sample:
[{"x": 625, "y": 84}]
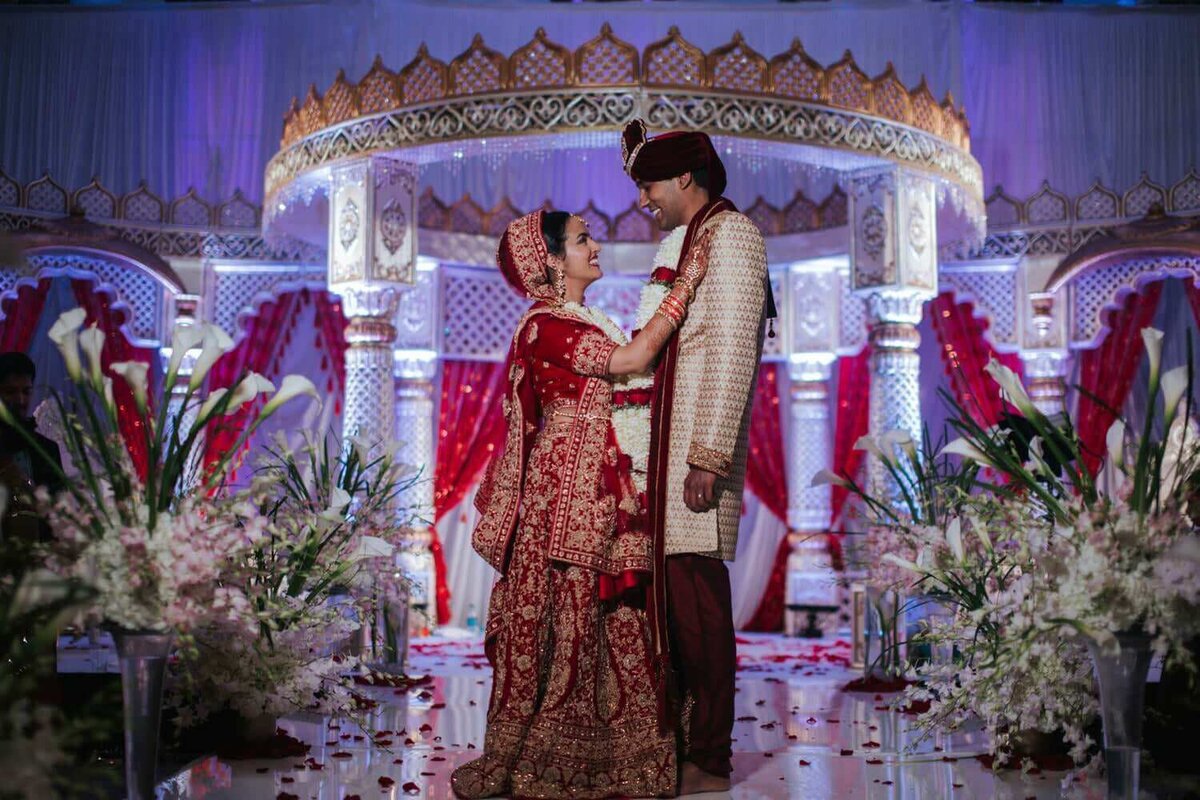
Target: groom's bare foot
[{"x": 693, "y": 780}]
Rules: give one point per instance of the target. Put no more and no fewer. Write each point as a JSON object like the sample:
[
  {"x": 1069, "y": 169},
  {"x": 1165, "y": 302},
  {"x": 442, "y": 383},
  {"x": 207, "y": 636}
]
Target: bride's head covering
[
  {"x": 669, "y": 155},
  {"x": 522, "y": 258}
]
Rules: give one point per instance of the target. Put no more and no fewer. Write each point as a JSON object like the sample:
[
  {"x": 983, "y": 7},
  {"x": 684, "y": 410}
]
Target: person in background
[{"x": 23, "y": 466}]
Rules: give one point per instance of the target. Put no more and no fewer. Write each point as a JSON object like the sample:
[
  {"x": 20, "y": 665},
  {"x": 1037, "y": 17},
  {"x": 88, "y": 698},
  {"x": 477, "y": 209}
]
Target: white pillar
[
  {"x": 893, "y": 262},
  {"x": 1044, "y": 351}
]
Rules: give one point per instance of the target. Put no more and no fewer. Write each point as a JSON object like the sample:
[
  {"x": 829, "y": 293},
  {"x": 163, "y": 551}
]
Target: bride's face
[{"x": 581, "y": 256}]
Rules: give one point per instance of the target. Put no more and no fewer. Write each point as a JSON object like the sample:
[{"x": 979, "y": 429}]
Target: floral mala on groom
[{"x": 700, "y": 419}]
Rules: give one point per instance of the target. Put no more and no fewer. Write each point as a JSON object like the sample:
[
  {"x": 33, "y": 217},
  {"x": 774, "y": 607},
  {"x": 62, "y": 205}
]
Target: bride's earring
[{"x": 558, "y": 279}]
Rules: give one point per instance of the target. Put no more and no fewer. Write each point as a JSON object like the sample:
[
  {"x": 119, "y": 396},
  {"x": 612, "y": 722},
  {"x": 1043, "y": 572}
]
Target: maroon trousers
[{"x": 704, "y": 654}]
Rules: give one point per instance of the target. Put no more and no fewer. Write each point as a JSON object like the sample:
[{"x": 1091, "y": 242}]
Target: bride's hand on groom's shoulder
[{"x": 696, "y": 266}]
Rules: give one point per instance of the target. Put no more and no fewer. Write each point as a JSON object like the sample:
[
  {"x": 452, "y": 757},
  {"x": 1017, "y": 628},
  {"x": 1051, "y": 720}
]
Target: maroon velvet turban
[{"x": 670, "y": 155}]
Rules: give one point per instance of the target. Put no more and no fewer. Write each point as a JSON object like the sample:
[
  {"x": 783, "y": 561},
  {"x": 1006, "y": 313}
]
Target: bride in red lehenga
[{"x": 578, "y": 696}]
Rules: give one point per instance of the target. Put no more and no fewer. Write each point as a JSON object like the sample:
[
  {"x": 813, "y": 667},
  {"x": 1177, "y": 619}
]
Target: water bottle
[{"x": 472, "y": 619}]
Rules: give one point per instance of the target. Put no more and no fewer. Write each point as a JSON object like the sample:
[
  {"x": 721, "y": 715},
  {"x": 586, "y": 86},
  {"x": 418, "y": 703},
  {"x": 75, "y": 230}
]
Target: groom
[{"x": 700, "y": 424}]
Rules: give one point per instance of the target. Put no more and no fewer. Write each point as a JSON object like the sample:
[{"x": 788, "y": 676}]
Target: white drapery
[{"x": 194, "y": 96}]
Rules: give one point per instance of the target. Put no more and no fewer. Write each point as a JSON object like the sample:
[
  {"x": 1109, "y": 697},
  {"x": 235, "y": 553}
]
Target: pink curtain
[
  {"x": 21, "y": 315},
  {"x": 965, "y": 352},
  {"x": 766, "y": 477},
  {"x": 470, "y": 428},
  {"x": 1106, "y": 373},
  {"x": 117, "y": 348}
]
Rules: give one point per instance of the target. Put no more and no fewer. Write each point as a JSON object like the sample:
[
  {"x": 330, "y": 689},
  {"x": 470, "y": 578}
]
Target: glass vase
[
  {"x": 386, "y": 626},
  {"x": 142, "y": 656},
  {"x": 884, "y": 656},
  {"x": 1122, "y": 679}
]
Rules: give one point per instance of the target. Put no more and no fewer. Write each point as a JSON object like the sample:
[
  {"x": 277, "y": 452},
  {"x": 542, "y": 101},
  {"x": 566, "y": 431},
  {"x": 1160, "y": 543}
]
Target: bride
[{"x": 578, "y": 696}]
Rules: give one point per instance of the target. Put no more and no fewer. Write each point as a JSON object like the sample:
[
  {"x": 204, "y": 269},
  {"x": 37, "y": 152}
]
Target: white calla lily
[
  {"x": 293, "y": 386},
  {"x": 183, "y": 339},
  {"x": 135, "y": 375},
  {"x": 966, "y": 449},
  {"x": 1152, "y": 338},
  {"x": 954, "y": 539},
  {"x": 827, "y": 477},
  {"x": 361, "y": 449},
  {"x": 91, "y": 341},
  {"x": 868, "y": 443},
  {"x": 65, "y": 335},
  {"x": 899, "y": 438},
  {"x": 371, "y": 547},
  {"x": 338, "y": 502},
  {"x": 1011, "y": 387},
  {"x": 108, "y": 393},
  {"x": 1174, "y": 386},
  {"x": 210, "y": 403},
  {"x": 215, "y": 343},
  {"x": 903, "y": 563},
  {"x": 1114, "y": 441},
  {"x": 247, "y": 389}
]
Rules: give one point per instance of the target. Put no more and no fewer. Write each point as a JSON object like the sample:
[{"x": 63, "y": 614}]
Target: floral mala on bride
[{"x": 575, "y": 707}]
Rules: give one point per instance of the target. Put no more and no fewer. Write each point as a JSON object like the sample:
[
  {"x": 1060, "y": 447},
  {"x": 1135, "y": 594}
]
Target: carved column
[
  {"x": 1043, "y": 351},
  {"x": 415, "y": 368},
  {"x": 187, "y": 308},
  {"x": 893, "y": 262},
  {"x": 812, "y": 334}
]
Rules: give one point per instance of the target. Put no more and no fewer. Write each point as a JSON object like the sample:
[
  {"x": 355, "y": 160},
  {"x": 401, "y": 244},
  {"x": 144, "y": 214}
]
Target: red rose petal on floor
[
  {"x": 832, "y": 720},
  {"x": 286, "y": 796},
  {"x": 811, "y": 720},
  {"x": 359, "y": 738},
  {"x": 334, "y": 743},
  {"x": 411, "y": 788},
  {"x": 874, "y": 760},
  {"x": 747, "y": 719},
  {"x": 957, "y": 785},
  {"x": 768, "y": 726},
  {"x": 438, "y": 705},
  {"x": 885, "y": 783},
  {"x": 287, "y": 779},
  {"x": 353, "y": 797},
  {"x": 386, "y": 782},
  {"x": 870, "y": 744},
  {"x": 408, "y": 742},
  {"x": 793, "y": 736},
  {"x": 384, "y": 742},
  {"x": 470, "y": 747},
  {"x": 426, "y": 728},
  {"x": 847, "y": 752},
  {"x": 342, "y": 754},
  {"x": 437, "y": 758},
  {"x": 949, "y": 758},
  {"x": 803, "y": 763},
  {"x": 312, "y": 763}
]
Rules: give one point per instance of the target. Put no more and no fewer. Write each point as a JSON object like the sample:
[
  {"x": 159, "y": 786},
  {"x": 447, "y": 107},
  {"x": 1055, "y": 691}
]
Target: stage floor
[{"x": 797, "y": 736}]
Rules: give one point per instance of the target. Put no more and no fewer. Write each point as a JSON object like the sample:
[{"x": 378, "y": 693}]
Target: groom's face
[{"x": 664, "y": 200}]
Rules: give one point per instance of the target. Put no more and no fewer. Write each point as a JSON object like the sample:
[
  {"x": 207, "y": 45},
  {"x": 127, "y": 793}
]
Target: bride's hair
[{"x": 554, "y": 231}]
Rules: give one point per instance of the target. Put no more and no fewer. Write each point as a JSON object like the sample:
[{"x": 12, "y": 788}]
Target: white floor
[{"x": 797, "y": 736}]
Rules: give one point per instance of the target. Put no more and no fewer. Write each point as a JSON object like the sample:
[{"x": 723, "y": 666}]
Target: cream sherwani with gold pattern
[{"x": 720, "y": 345}]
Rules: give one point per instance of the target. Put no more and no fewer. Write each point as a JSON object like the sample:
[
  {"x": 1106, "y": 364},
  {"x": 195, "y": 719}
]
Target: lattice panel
[
  {"x": 46, "y": 195},
  {"x": 765, "y": 216},
  {"x": 926, "y": 113},
  {"x": 478, "y": 71},
  {"x": 10, "y": 192},
  {"x": 480, "y": 313},
  {"x": 1097, "y": 203},
  {"x": 96, "y": 202},
  {"x": 995, "y": 297},
  {"x": 1095, "y": 289},
  {"x": 143, "y": 295},
  {"x": 800, "y": 215},
  {"x": 794, "y": 74},
  {"x": 1046, "y": 207},
  {"x": 854, "y": 318},
  {"x": 1185, "y": 195},
  {"x": 142, "y": 206},
  {"x": 674, "y": 63},
  {"x": 604, "y": 61},
  {"x": 377, "y": 89},
  {"x": 891, "y": 97},
  {"x": 739, "y": 69},
  {"x": 1140, "y": 198},
  {"x": 466, "y": 217},
  {"x": 635, "y": 225},
  {"x": 8, "y": 279},
  {"x": 340, "y": 102},
  {"x": 424, "y": 79},
  {"x": 431, "y": 213},
  {"x": 834, "y": 211},
  {"x": 499, "y": 217},
  {"x": 848, "y": 86},
  {"x": 597, "y": 222},
  {"x": 540, "y": 64},
  {"x": 234, "y": 292},
  {"x": 191, "y": 210},
  {"x": 1002, "y": 210},
  {"x": 238, "y": 213},
  {"x": 617, "y": 297}
]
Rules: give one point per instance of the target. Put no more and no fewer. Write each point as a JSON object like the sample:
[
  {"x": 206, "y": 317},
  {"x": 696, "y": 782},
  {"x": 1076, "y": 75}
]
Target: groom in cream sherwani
[{"x": 703, "y": 394}]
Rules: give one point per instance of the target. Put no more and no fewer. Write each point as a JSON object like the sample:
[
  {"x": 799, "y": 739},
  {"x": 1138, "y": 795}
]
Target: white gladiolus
[
  {"x": 108, "y": 393},
  {"x": 954, "y": 539},
  {"x": 1174, "y": 385},
  {"x": 1153, "y": 339},
  {"x": 1114, "y": 440},
  {"x": 964, "y": 448},
  {"x": 91, "y": 341},
  {"x": 292, "y": 386},
  {"x": 827, "y": 477},
  {"x": 65, "y": 335},
  {"x": 215, "y": 344},
  {"x": 248, "y": 389},
  {"x": 134, "y": 374},
  {"x": 1011, "y": 387},
  {"x": 903, "y": 563},
  {"x": 183, "y": 339}
]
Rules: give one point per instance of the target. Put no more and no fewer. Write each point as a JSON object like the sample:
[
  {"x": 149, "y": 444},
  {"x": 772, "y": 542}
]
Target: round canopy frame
[{"x": 544, "y": 97}]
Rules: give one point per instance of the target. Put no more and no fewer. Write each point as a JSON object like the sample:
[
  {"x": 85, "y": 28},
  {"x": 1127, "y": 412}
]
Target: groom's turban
[{"x": 670, "y": 155}]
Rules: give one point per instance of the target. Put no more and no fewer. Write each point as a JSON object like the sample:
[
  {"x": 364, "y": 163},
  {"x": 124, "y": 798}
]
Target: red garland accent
[
  {"x": 663, "y": 275},
  {"x": 767, "y": 478},
  {"x": 965, "y": 352},
  {"x": 1107, "y": 371}
]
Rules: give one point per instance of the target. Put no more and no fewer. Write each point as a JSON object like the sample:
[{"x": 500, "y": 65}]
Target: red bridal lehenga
[{"x": 574, "y": 709}]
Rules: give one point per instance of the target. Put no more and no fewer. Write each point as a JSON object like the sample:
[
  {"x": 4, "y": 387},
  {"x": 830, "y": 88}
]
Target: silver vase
[
  {"x": 1122, "y": 679},
  {"x": 143, "y": 660}
]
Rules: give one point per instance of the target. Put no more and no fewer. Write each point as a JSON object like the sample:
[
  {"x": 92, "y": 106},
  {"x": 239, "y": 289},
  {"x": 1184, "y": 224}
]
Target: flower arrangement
[{"x": 151, "y": 541}]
